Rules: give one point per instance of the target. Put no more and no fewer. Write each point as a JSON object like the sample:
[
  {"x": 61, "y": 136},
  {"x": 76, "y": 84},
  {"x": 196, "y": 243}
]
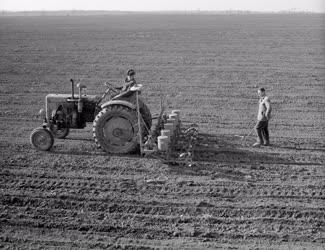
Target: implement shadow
[
  {"x": 221, "y": 155},
  {"x": 229, "y": 149}
]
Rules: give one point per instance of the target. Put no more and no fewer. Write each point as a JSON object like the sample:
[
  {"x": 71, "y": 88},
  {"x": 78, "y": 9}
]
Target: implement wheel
[{"x": 41, "y": 139}]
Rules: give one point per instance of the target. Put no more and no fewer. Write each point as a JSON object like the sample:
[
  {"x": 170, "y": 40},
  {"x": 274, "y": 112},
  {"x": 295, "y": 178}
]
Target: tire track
[
  {"x": 124, "y": 207},
  {"x": 132, "y": 187}
]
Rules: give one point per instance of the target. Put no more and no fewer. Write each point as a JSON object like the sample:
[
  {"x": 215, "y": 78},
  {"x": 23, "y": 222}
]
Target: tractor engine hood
[{"x": 53, "y": 101}]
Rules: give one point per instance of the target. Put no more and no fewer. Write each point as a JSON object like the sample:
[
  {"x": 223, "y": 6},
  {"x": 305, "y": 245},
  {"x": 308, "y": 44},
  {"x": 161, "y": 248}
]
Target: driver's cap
[{"x": 131, "y": 72}]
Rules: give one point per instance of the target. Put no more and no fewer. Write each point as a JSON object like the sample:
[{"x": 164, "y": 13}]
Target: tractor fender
[{"x": 118, "y": 102}]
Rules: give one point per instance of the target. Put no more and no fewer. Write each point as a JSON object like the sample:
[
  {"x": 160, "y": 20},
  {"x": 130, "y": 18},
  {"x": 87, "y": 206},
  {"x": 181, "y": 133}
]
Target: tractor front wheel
[{"x": 41, "y": 139}]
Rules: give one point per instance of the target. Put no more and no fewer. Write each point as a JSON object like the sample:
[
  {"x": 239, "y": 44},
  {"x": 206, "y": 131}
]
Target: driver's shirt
[{"x": 128, "y": 84}]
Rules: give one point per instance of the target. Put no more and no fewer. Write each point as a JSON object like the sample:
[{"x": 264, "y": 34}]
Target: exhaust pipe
[{"x": 72, "y": 88}]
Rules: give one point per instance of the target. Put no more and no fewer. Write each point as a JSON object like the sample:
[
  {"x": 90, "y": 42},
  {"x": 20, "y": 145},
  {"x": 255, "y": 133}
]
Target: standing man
[{"x": 263, "y": 117}]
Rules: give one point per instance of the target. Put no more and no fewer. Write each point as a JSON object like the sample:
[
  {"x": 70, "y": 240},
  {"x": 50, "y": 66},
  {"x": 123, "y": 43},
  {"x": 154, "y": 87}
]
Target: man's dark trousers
[{"x": 262, "y": 132}]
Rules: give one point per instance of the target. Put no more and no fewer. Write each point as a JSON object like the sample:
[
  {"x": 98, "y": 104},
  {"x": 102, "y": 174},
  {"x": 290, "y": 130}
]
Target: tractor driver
[{"x": 129, "y": 80}]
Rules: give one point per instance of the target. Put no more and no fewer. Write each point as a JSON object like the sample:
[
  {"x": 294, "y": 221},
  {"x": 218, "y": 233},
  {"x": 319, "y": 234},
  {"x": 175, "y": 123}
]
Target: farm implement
[{"x": 121, "y": 125}]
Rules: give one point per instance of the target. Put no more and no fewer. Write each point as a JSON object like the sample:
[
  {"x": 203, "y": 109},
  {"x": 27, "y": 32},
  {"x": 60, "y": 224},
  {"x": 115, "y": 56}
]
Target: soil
[{"x": 229, "y": 195}]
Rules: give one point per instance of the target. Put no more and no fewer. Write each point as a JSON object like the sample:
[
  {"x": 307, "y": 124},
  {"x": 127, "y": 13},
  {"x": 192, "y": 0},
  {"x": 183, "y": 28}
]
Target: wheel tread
[{"x": 97, "y": 124}]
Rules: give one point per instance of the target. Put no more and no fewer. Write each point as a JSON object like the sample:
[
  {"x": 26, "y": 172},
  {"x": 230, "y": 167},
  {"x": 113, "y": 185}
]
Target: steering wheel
[{"x": 110, "y": 86}]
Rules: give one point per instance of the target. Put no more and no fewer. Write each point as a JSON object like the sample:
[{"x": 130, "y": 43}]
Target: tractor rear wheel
[
  {"x": 144, "y": 110},
  {"x": 42, "y": 139},
  {"x": 115, "y": 129}
]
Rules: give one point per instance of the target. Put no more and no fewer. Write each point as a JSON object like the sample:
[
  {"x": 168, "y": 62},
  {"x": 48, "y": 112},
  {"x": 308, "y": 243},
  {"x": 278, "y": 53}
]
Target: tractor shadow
[
  {"x": 79, "y": 139},
  {"x": 76, "y": 145},
  {"x": 77, "y": 152}
]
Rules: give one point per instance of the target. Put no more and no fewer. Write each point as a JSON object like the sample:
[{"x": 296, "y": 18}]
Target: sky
[{"x": 164, "y": 5}]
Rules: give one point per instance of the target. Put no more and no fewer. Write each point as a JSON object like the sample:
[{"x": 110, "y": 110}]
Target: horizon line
[{"x": 167, "y": 11}]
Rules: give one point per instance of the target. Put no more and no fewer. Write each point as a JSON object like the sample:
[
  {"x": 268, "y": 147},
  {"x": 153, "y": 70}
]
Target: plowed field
[{"x": 234, "y": 196}]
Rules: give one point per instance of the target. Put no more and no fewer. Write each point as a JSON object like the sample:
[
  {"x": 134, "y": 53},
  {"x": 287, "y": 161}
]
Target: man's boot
[
  {"x": 266, "y": 136},
  {"x": 259, "y": 137}
]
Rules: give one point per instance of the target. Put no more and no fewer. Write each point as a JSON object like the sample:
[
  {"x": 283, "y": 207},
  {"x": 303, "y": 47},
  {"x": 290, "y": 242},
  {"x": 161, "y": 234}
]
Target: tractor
[{"x": 119, "y": 124}]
